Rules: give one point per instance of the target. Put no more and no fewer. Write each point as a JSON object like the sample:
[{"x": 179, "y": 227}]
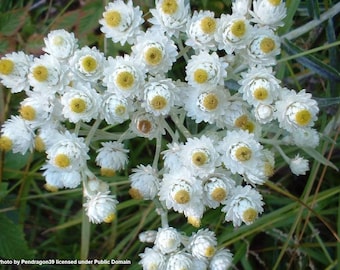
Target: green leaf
[
  {"x": 12, "y": 21},
  {"x": 311, "y": 62},
  {"x": 12, "y": 241},
  {"x": 313, "y": 8},
  {"x": 317, "y": 156}
]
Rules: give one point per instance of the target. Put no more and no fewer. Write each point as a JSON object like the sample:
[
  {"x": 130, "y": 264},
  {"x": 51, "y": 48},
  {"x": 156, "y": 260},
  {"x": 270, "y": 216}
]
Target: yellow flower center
[
  {"x": 112, "y": 18},
  {"x": 144, "y": 126},
  {"x": 5, "y": 143},
  {"x": 169, "y": 6},
  {"x": 199, "y": 158},
  {"x": 58, "y": 40},
  {"x": 303, "y": 117},
  {"x": 50, "y": 188},
  {"x": 120, "y": 110},
  {"x": 274, "y": 2},
  {"x": 208, "y": 25},
  {"x": 109, "y": 218},
  {"x": 40, "y": 73},
  {"x": 243, "y": 153},
  {"x": 89, "y": 63},
  {"x": 219, "y": 194},
  {"x": 39, "y": 144},
  {"x": 200, "y": 76},
  {"x": 125, "y": 80},
  {"x": 260, "y": 93},
  {"x": 249, "y": 215},
  {"x": 209, "y": 251},
  {"x": 6, "y": 66},
  {"x": 135, "y": 194},
  {"x": 107, "y": 172},
  {"x": 62, "y": 161},
  {"x": 153, "y": 56},
  {"x": 158, "y": 102},
  {"x": 182, "y": 196},
  {"x": 210, "y": 102},
  {"x": 244, "y": 123},
  {"x": 267, "y": 45},
  {"x": 194, "y": 221},
  {"x": 238, "y": 28},
  {"x": 27, "y": 112},
  {"x": 78, "y": 105}
]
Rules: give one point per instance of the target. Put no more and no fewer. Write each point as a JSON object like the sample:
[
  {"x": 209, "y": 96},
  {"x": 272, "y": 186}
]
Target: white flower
[
  {"x": 14, "y": 68},
  {"x": 180, "y": 260},
  {"x": 168, "y": 240},
  {"x": 241, "y": 7},
  {"x": 147, "y": 236},
  {"x": 207, "y": 104},
  {"x": 159, "y": 96},
  {"x": 144, "y": 182},
  {"x": 68, "y": 153},
  {"x": 116, "y": 109},
  {"x": 155, "y": 50},
  {"x": 205, "y": 70},
  {"x": 146, "y": 125},
  {"x": 101, "y": 208},
  {"x": 80, "y": 103},
  {"x": 60, "y": 44},
  {"x": 203, "y": 244},
  {"x": 262, "y": 47},
  {"x": 87, "y": 64},
  {"x": 245, "y": 205},
  {"x": 269, "y": 12},
  {"x": 307, "y": 137},
  {"x": 234, "y": 112},
  {"x": 170, "y": 16},
  {"x": 124, "y": 75},
  {"x": 58, "y": 178},
  {"x": 222, "y": 260},
  {"x": 298, "y": 165},
  {"x": 95, "y": 185},
  {"x": 264, "y": 113},
  {"x": 240, "y": 151},
  {"x": 201, "y": 31},
  {"x": 151, "y": 259},
  {"x": 48, "y": 74},
  {"x": 16, "y": 135},
  {"x": 199, "y": 156},
  {"x": 171, "y": 156},
  {"x": 296, "y": 110},
  {"x": 121, "y": 21},
  {"x": 111, "y": 157},
  {"x": 233, "y": 32}
]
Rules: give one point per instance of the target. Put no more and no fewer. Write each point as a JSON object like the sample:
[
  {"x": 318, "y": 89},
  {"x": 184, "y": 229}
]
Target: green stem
[
  {"x": 92, "y": 131},
  {"x": 180, "y": 126}
]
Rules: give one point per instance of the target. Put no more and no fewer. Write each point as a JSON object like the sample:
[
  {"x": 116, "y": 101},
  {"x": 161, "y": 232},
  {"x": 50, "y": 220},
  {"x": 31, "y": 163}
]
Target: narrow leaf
[{"x": 317, "y": 156}]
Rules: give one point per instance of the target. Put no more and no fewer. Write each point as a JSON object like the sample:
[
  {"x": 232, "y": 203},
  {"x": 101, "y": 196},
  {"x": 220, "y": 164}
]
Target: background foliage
[{"x": 301, "y": 224}]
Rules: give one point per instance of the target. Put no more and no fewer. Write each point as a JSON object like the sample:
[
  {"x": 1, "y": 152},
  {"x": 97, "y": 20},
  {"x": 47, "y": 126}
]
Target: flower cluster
[{"x": 226, "y": 117}]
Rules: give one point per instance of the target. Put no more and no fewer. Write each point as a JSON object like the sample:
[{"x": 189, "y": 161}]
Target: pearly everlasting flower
[
  {"x": 94, "y": 185},
  {"x": 180, "y": 260},
  {"x": 151, "y": 259},
  {"x": 240, "y": 152},
  {"x": 168, "y": 240},
  {"x": 155, "y": 50},
  {"x": 298, "y": 165},
  {"x": 201, "y": 29},
  {"x": 80, "y": 103},
  {"x": 307, "y": 137},
  {"x": 207, "y": 104},
  {"x": 199, "y": 156},
  {"x": 241, "y": 7},
  {"x": 57, "y": 178},
  {"x": 146, "y": 125},
  {"x": 121, "y": 21},
  {"x": 233, "y": 32},
  {"x": 124, "y": 76},
  {"x": 244, "y": 205},
  {"x": 205, "y": 70},
  {"x": 171, "y": 156},
  {"x": 262, "y": 47},
  {"x": 116, "y": 109},
  {"x": 16, "y": 135},
  {"x": 144, "y": 183},
  {"x": 269, "y": 12},
  {"x": 101, "y": 208},
  {"x": 147, "y": 236},
  {"x": 60, "y": 44},
  {"x": 236, "y": 110},
  {"x": 296, "y": 110},
  {"x": 202, "y": 244},
  {"x": 48, "y": 74},
  {"x": 259, "y": 86},
  {"x": 264, "y": 113},
  {"x": 222, "y": 260},
  {"x": 111, "y": 157},
  {"x": 159, "y": 95},
  {"x": 170, "y": 16},
  {"x": 14, "y": 68},
  {"x": 87, "y": 64},
  {"x": 68, "y": 153}
]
